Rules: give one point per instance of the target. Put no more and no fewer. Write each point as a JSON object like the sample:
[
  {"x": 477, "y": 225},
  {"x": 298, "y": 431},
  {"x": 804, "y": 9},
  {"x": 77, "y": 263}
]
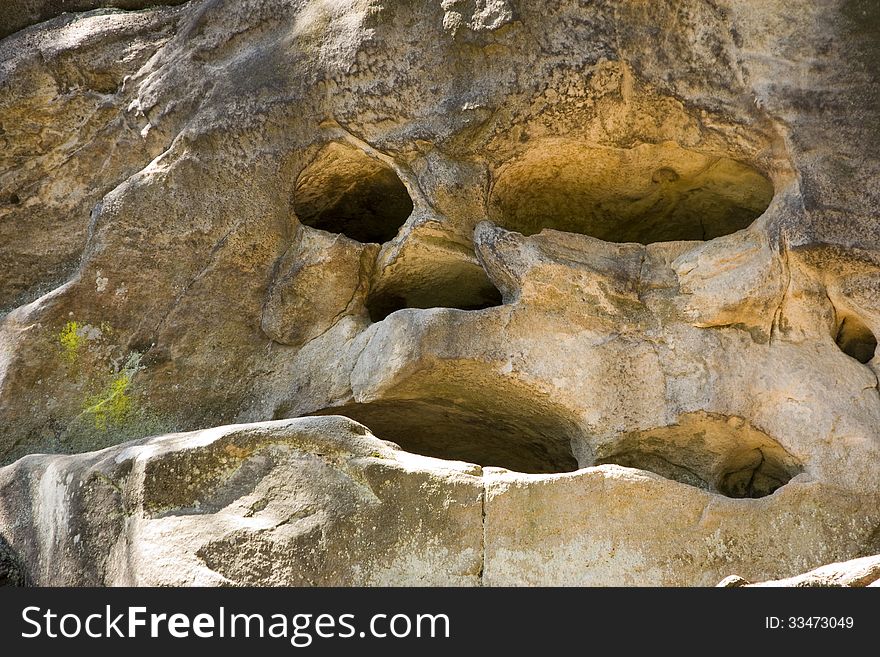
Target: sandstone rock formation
[{"x": 606, "y": 276}]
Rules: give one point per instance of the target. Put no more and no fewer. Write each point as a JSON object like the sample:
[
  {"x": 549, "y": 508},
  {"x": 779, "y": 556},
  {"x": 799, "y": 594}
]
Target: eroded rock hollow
[{"x": 477, "y": 293}]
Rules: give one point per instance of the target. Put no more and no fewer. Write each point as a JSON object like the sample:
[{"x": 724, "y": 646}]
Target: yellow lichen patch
[
  {"x": 70, "y": 341},
  {"x": 114, "y": 404}
]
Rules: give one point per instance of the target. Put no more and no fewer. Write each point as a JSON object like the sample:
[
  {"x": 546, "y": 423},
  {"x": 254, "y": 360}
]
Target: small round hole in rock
[
  {"x": 649, "y": 193},
  {"x": 14, "y": 199},
  {"x": 346, "y": 191},
  {"x": 856, "y": 340}
]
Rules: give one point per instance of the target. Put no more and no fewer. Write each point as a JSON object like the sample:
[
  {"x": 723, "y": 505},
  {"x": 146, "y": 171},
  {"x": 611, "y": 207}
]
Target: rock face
[
  {"x": 320, "y": 501},
  {"x": 313, "y": 501},
  {"x": 854, "y": 573},
  {"x": 18, "y": 14},
  {"x": 608, "y": 274}
]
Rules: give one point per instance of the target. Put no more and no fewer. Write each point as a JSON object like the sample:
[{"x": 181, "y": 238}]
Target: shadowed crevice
[
  {"x": 855, "y": 339},
  {"x": 12, "y": 570}
]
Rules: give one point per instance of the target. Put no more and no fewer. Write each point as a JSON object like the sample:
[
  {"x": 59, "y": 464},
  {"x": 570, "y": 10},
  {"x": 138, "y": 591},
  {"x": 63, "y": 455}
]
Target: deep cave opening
[
  {"x": 512, "y": 434},
  {"x": 855, "y": 339},
  {"x": 718, "y": 453},
  {"x": 648, "y": 193},
  {"x": 346, "y": 191}
]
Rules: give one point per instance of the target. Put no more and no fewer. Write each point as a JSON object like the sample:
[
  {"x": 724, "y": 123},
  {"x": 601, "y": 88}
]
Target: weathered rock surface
[
  {"x": 313, "y": 501},
  {"x": 854, "y": 573},
  {"x": 18, "y": 14},
  {"x": 627, "y": 251},
  {"x": 320, "y": 501}
]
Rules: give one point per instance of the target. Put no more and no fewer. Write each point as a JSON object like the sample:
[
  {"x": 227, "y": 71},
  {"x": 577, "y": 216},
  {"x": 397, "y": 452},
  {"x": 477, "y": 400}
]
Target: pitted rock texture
[{"x": 623, "y": 258}]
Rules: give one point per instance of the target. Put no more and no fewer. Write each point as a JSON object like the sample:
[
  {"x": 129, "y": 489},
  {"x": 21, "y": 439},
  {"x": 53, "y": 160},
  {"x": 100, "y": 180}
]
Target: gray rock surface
[{"x": 19, "y": 14}]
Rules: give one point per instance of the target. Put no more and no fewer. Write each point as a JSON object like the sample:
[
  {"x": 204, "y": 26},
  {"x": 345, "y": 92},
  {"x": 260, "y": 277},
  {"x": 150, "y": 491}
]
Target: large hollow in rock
[
  {"x": 518, "y": 439},
  {"x": 649, "y": 193},
  {"x": 723, "y": 454}
]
